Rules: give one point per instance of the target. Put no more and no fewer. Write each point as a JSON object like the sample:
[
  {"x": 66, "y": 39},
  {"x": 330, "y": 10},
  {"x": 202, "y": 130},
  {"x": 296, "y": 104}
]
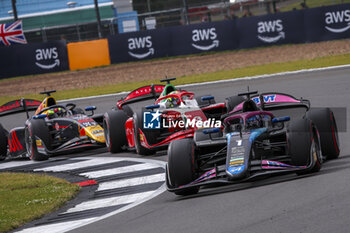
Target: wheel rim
[
  {"x": 335, "y": 132},
  {"x": 315, "y": 152},
  {"x": 136, "y": 135},
  {"x": 106, "y": 133},
  {"x": 29, "y": 142},
  {"x": 137, "y": 144}
]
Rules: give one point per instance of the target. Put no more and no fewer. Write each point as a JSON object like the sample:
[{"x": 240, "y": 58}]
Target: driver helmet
[
  {"x": 254, "y": 122},
  {"x": 172, "y": 101},
  {"x": 52, "y": 113}
]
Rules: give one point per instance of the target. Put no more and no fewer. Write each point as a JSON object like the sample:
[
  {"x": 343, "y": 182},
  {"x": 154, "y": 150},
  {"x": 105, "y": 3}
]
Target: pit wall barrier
[{"x": 302, "y": 26}]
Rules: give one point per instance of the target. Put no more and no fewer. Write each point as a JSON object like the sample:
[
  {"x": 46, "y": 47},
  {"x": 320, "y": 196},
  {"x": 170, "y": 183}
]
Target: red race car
[{"x": 176, "y": 114}]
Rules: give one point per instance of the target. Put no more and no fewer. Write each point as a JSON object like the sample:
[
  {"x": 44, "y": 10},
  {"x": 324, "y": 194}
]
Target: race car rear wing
[
  {"x": 21, "y": 105},
  {"x": 141, "y": 94},
  {"x": 271, "y": 100}
]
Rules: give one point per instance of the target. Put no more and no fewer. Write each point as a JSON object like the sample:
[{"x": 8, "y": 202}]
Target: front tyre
[
  {"x": 232, "y": 101},
  {"x": 325, "y": 122},
  {"x": 3, "y": 143},
  {"x": 181, "y": 168},
  {"x": 114, "y": 130},
  {"x": 150, "y": 136},
  {"x": 202, "y": 103},
  {"x": 35, "y": 149},
  {"x": 303, "y": 145}
]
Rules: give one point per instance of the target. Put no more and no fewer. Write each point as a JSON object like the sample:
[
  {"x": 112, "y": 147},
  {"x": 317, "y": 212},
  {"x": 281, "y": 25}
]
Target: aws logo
[
  {"x": 208, "y": 34},
  {"x": 47, "y": 55},
  {"x": 140, "y": 43},
  {"x": 338, "y": 17},
  {"x": 272, "y": 30}
]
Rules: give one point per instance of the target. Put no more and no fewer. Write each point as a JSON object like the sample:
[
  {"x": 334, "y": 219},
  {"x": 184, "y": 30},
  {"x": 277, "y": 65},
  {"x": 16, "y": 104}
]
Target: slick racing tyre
[
  {"x": 37, "y": 128},
  {"x": 303, "y": 145},
  {"x": 232, "y": 102},
  {"x": 151, "y": 135},
  {"x": 77, "y": 111},
  {"x": 181, "y": 168},
  {"x": 325, "y": 122},
  {"x": 202, "y": 103},
  {"x": 3, "y": 143},
  {"x": 128, "y": 111},
  {"x": 114, "y": 130}
]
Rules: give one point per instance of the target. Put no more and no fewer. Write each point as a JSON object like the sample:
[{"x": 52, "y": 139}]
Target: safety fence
[{"x": 302, "y": 26}]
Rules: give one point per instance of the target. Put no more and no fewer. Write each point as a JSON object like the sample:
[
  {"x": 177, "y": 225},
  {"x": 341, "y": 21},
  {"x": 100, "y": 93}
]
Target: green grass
[
  {"x": 313, "y": 3},
  {"x": 25, "y": 197},
  {"x": 220, "y": 75}
]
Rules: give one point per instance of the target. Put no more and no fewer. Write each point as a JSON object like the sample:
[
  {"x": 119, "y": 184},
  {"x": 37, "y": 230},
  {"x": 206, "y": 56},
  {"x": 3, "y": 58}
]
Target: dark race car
[
  {"x": 173, "y": 116},
  {"x": 53, "y": 129},
  {"x": 267, "y": 134}
]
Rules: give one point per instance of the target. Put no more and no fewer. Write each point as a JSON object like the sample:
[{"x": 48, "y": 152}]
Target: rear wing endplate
[
  {"x": 20, "y": 105},
  {"x": 142, "y": 94}
]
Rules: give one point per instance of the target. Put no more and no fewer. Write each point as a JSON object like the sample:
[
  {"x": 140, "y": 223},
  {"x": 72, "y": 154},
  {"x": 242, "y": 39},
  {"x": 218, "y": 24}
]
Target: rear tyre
[
  {"x": 37, "y": 128},
  {"x": 181, "y": 168},
  {"x": 128, "y": 111},
  {"x": 232, "y": 102},
  {"x": 150, "y": 136},
  {"x": 114, "y": 130},
  {"x": 77, "y": 111},
  {"x": 3, "y": 143},
  {"x": 202, "y": 103},
  {"x": 325, "y": 122},
  {"x": 303, "y": 145}
]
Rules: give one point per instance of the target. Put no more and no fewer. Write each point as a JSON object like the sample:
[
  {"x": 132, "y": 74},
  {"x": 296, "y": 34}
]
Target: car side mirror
[
  {"x": 152, "y": 106},
  {"x": 41, "y": 116},
  {"x": 207, "y": 98},
  {"x": 92, "y": 109},
  {"x": 280, "y": 119},
  {"x": 211, "y": 130}
]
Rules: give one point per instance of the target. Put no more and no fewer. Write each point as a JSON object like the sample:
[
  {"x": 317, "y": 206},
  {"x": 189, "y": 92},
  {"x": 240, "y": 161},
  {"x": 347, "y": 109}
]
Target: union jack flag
[{"x": 12, "y": 33}]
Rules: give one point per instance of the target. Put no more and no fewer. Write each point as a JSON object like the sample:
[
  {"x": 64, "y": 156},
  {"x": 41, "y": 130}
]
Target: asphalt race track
[{"x": 291, "y": 203}]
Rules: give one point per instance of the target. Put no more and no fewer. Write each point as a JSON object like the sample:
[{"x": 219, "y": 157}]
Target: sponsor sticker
[
  {"x": 235, "y": 170},
  {"x": 38, "y": 143},
  {"x": 267, "y": 99}
]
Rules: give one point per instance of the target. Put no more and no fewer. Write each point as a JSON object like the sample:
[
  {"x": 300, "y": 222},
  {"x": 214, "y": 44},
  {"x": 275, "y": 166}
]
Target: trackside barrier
[
  {"x": 327, "y": 23},
  {"x": 36, "y": 58},
  {"x": 88, "y": 54},
  {"x": 139, "y": 45},
  {"x": 311, "y": 25},
  {"x": 273, "y": 29},
  {"x": 203, "y": 37},
  {"x": 302, "y": 26}
]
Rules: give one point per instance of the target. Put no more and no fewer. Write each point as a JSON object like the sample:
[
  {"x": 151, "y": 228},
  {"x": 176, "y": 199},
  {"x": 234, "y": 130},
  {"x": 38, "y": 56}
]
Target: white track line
[
  {"x": 13, "y": 164},
  {"x": 111, "y": 201},
  {"x": 118, "y": 170},
  {"x": 131, "y": 182},
  {"x": 130, "y": 200},
  {"x": 84, "y": 164},
  {"x": 224, "y": 81},
  {"x": 56, "y": 227}
]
